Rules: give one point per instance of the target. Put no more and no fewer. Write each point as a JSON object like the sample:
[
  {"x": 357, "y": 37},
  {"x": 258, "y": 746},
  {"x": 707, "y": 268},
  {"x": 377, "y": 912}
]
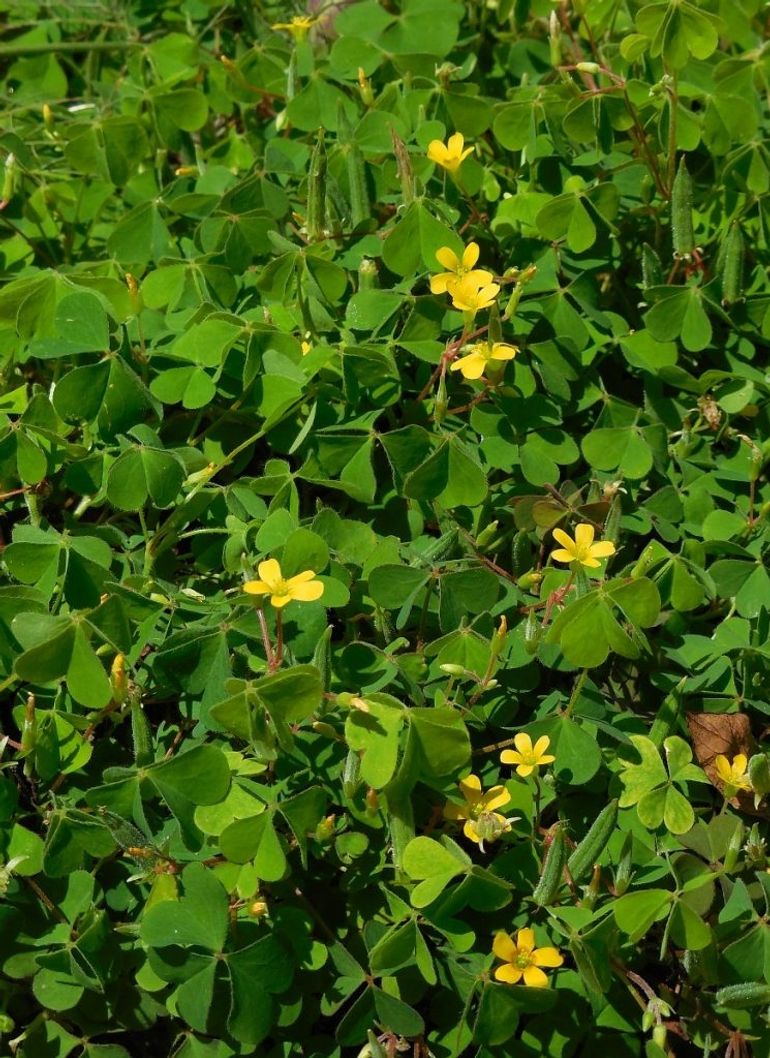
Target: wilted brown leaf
[{"x": 728, "y": 734}]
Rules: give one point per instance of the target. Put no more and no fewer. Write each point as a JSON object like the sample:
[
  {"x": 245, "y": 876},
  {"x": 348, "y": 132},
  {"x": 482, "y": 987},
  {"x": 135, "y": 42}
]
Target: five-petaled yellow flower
[
  {"x": 527, "y": 757},
  {"x": 458, "y": 268},
  {"x": 474, "y": 363},
  {"x": 582, "y": 549},
  {"x": 482, "y": 822},
  {"x": 522, "y": 959},
  {"x": 304, "y": 587},
  {"x": 733, "y": 773},
  {"x": 449, "y": 155},
  {"x": 299, "y": 26},
  {"x": 468, "y": 296}
]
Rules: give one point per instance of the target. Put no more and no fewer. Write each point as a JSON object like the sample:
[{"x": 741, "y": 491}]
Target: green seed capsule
[
  {"x": 612, "y": 525},
  {"x": 141, "y": 735},
  {"x": 322, "y": 657},
  {"x": 316, "y": 189},
  {"x": 521, "y": 553},
  {"x": 732, "y": 265},
  {"x": 735, "y": 846},
  {"x": 624, "y": 869},
  {"x": 743, "y": 996},
  {"x": 681, "y": 213},
  {"x": 652, "y": 269},
  {"x": 441, "y": 548},
  {"x": 551, "y": 876},
  {"x": 593, "y": 844},
  {"x": 351, "y": 774},
  {"x": 532, "y": 633}
]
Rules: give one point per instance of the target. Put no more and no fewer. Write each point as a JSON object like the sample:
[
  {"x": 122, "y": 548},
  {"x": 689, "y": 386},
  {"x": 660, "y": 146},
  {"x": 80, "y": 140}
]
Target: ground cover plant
[{"x": 384, "y": 608}]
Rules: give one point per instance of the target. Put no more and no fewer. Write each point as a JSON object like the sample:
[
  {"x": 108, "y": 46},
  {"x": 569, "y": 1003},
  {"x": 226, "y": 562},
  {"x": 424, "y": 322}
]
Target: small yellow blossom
[
  {"x": 449, "y": 155},
  {"x": 306, "y": 347},
  {"x": 527, "y": 757},
  {"x": 468, "y": 296},
  {"x": 474, "y": 363},
  {"x": 482, "y": 822},
  {"x": 582, "y": 549},
  {"x": 304, "y": 587},
  {"x": 457, "y": 268},
  {"x": 522, "y": 959},
  {"x": 733, "y": 773},
  {"x": 299, "y": 26}
]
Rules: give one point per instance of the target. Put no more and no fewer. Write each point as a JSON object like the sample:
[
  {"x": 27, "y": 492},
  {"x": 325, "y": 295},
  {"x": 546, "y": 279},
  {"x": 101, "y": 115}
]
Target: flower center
[
  {"x": 523, "y": 960},
  {"x": 281, "y": 587}
]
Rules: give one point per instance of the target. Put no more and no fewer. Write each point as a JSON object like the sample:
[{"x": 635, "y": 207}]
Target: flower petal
[
  {"x": 256, "y": 587},
  {"x": 455, "y": 812},
  {"x": 279, "y": 601},
  {"x": 602, "y": 549},
  {"x": 455, "y": 144},
  {"x": 508, "y": 973},
  {"x": 472, "y": 366},
  {"x": 541, "y": 746},
  {"x": 525, "y": 940},
  {"x": 547, "y": 957},
  {"x": 470, "y": 788},
  {"x": 723, "y": 767},
  {"x": 270, "y": 571},
  {"x": 300, "y": 578},
  {"x": 560, "y": 555},
  {"x": 478, "y": 277},
  {"x": 470, "y": 255},
  {"x": 464, "y": 155},
  {"x": 590, "y": 563},
  {"x": 437, "y": 152},
  {"x": 501, "y": 351},
  {"x": 510, "y": 756},
  {"x": 564, "y": 539},
  {"x": 739, "y": 764},
  {"x": 584, "y": 534},
  {"x": 446, "y": 256},
  {"x": 535, "y": 978},
  {"x": 523, "y": 743},
  {"x": 494, "y": 798},
  {"x": 307, "y": 591},
  {"x": 503, "y": 946},
  {"x": 524, "y": 770},
  {"x": 471, "y": 833}
]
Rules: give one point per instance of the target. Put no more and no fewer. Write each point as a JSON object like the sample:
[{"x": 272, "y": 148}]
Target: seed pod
[
  {"x": 743, "y": 996},
  {"x": 551, "y": 876},
  {"x": 322, "y": 657},
  {"x": 441, "y": 403},
  {"x": 652, "y": 269},
  {"x": 643, "y": 563},
  {"x": 521, "y": 553},
  {"x": 359, "y": 196},
  {"x": 141, "y": 734},
  {"x": 9, "y": 180},
  {"x": 681, "y": 213},
  {"x": 593, "y": 844},
  {"x": 732, "y": 265},
  {"x": 403, "y": 168},
  {"x": 532, "y": 633},
  {"x": 351, "y": 773},
  {"x": 624, "y": 869},
  {"x": 734, "y": 848},
  {"x": 441, "y": 548},
  {"x": 612, "y": 525},
  {"x": 667, "y": 716},
  {"x": 316, "y": 190},
  {"x": 487, "y": 536}
]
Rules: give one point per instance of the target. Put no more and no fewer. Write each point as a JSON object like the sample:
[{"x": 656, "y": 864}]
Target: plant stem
[
  {"x": 266, "y": 639},
  {"x": 15, "y": 48}
]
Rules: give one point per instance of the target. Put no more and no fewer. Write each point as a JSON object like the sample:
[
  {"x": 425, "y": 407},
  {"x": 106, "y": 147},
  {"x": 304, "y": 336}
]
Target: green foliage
[{"x": 248, "y": 812}]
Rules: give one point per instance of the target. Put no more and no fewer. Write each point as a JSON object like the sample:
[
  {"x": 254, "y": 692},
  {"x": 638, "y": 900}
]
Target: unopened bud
[
  {"x": 530, "y": 580},
  {"x": 487, "y": 535},
  {"x": 325, "y": 829},
  {"x": 48, "y": 117},
  {"x": 258, "y": 909},
  {"x": 186, "y": 170},
  {"x": 324, "y": 729},
  {"x": 588, "y": 67},
  {"x": 119, "y": 679},
  {"x": 365, "y": 88},
  {"x": 453, "y": 670},
  {"x": 131, "y": 283},
  {"x": 372, "y": 800}
]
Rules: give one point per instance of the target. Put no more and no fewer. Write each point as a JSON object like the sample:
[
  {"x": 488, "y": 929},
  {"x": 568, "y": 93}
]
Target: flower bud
[
  {"x": 258, "y": 909},
  {"x": 119, "y": 679},
  {"x": 365, "y": 88},
  {"x": 372, "y": 800}
]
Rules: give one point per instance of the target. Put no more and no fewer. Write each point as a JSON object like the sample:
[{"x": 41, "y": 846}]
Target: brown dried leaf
[{"x": 728, "y": 734}]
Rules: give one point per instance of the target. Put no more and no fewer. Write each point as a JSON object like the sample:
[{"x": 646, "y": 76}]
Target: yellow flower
[
  {"x": 468, "y": 296},
  {"x": 304, "y": 587},
  {"x": 298, "y": 27},
  {"x": 522, "y": 959},
  {"x": 450, "y": 155},
  {"x": 527, "y": 757},
  {"x": 582, "y": 549},
  {"x": 733, "y": 773},
  {"x": 306, "y": 347},
  {"x": 482, "y": 823},
  {"x": 457, "y": 268},
  {"x": 474, "y": 363}
]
